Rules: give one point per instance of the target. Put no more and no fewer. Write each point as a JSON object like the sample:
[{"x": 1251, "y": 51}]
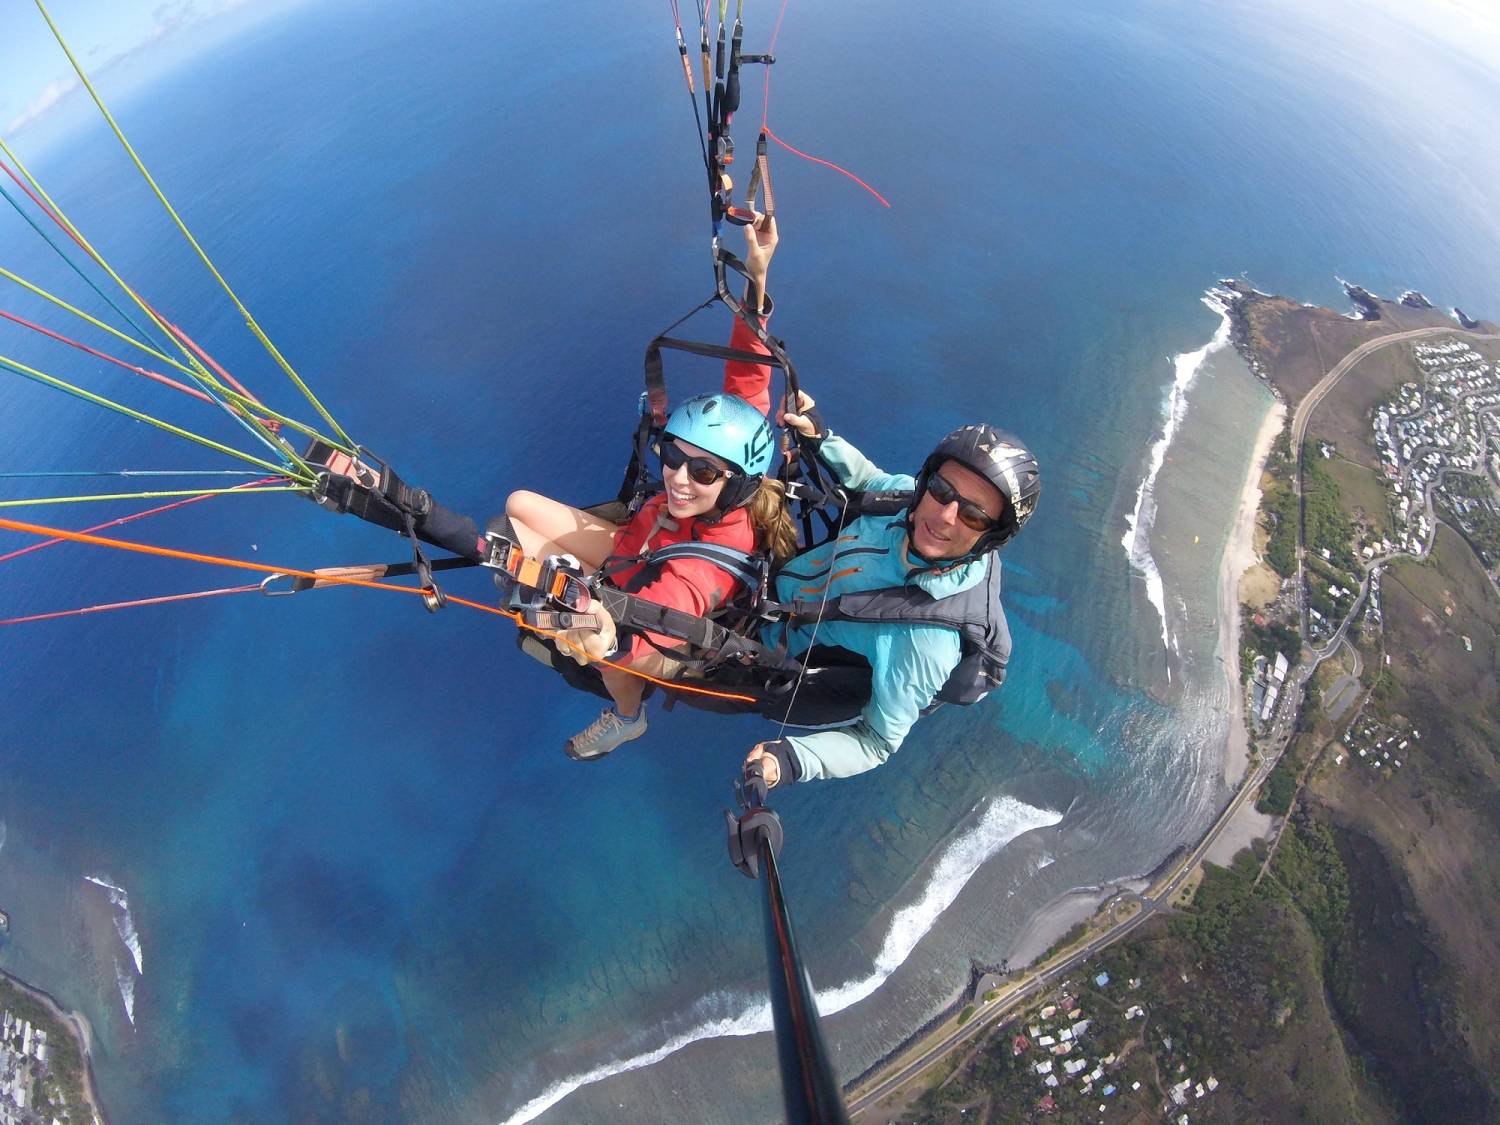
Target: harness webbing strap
[
  {"x": 702, "y": 633},
  {"x": 739, "y": 565}
]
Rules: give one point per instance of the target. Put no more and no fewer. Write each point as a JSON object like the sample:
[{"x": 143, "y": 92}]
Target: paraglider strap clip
[
  {"x": 558, "y": 580},
  {"x": 432, "y": 597},
  {"x": 746, "y": 830}
]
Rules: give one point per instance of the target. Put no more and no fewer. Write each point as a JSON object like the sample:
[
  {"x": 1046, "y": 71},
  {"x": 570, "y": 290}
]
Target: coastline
[
  {"x": 1192, "y": 428},
  {"x": 78, "y": 1027},
  {"x": 1239, "y": 556}
]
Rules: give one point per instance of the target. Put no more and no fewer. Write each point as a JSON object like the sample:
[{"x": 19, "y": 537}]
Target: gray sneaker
[{"x": 605, "y": 733}]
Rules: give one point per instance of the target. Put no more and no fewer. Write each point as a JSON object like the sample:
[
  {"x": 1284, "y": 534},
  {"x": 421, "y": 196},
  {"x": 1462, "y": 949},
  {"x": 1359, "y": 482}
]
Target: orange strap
[{"x": 215, "y": 560}]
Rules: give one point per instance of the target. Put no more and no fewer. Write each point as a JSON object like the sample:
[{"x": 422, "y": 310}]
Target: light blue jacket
[{"x": 909, "y": 663}]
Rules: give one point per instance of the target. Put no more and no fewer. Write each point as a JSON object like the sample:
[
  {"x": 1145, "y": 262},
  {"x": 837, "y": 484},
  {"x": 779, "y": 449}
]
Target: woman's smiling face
[{"x": 686, "y": 498}]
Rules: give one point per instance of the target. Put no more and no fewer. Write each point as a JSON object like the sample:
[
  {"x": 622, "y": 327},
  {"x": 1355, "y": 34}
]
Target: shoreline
[
  {"x": 1239, "y": 556},
  {"x": 1056, "y": 918},
  {"x": 78, "y": 1027}
]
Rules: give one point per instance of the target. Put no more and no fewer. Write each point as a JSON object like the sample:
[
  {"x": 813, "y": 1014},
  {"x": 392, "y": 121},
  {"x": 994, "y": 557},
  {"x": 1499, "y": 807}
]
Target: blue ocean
[{"x": 321, "y": 857}]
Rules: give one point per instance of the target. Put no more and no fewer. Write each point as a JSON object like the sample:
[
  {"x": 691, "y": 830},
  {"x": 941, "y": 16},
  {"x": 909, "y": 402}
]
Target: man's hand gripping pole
[{"x": 756, "y": 824}]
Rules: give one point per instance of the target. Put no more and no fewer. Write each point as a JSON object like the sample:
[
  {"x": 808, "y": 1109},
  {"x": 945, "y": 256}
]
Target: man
[{"x": 891, "y": 589}]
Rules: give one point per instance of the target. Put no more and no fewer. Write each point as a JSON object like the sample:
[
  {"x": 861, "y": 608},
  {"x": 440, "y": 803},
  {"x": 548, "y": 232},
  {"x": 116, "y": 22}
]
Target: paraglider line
[
  {"x": 828, "y": 164},
  {"x": 341, "y": 580},
  {"x": 129, "y": 519},
  {"x": 129, "y": 605}
]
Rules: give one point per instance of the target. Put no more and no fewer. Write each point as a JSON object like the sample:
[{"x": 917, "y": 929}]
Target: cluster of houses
[
  {"x": 1053, "y": 1040},
  {"x": 23, "y": 1057},
  {"x": 1319, "y": 625},
  {"x": 1186, "y": 1089},
  {"x": 1057, "y": 1034},
  {"x": 1443, "y": 423},
  {"x": 1265, "y": 686},
  {"x": 1377, "y": 745}
]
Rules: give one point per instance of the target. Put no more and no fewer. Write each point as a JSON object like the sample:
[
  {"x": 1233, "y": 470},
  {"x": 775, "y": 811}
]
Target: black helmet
[{"x": 1000, "y": 458}]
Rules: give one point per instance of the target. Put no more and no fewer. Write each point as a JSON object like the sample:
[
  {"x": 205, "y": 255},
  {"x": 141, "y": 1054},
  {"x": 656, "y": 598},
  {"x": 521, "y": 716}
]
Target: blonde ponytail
[{"x": 774, "y": 530}]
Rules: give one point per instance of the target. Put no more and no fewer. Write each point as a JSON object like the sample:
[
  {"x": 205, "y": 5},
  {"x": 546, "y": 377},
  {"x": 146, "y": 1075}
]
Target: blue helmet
[{"x": 728, "y": 427}]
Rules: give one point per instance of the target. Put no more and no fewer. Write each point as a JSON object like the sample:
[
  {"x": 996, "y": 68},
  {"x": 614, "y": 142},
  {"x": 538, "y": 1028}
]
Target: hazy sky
[{"x": 35, "y": 74}]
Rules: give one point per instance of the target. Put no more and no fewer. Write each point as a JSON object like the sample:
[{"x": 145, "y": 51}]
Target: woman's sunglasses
[
  {"x": 970, "y": 514},
  {"x": 701, "y": 470}
]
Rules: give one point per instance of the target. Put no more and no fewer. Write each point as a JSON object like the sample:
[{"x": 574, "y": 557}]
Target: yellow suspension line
[
  {"x": 141, "y": 167},
  {"x": 249, "y": 405},
  {"x": 153, "y": 495},
  {"x": 197, "y": 371},
  {"x": 300, "y": 472}
]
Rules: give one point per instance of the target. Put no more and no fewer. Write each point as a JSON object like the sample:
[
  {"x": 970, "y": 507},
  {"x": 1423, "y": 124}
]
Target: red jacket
[{"x": 692, "y": 585}]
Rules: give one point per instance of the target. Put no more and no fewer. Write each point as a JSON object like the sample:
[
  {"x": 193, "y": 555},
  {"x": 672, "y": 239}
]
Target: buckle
[
  {"x": 501, "y": 553},
  {"x": 555, "y": 621},
  {"x": 564, "y": 583},
  {"x": 558, "y": 579}
]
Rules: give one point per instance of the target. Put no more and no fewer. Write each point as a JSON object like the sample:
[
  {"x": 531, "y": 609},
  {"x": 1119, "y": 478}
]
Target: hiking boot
[{"x": 605, "y": 733}]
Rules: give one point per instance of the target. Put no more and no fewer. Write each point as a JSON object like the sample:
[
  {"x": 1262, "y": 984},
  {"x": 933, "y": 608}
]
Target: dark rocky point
[{"x": 1366, "y": 302}]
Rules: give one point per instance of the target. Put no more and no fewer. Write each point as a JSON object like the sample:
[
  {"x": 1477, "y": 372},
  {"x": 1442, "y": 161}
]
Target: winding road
[{"x": 1157, "y": 899}]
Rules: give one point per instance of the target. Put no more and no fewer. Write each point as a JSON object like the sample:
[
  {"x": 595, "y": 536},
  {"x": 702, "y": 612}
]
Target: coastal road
[
  {"x": 988, "y": 1016},
  {"x": 985, "y": 1018}
]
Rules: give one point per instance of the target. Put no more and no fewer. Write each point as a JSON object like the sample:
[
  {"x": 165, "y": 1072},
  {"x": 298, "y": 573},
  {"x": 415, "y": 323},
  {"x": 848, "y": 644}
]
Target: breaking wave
[
  {"x": 1138, "y": 524},
  {"x": 125, "y": 927},
  {"x": 1001, "y": 822},
  {"x": 126, "y": 980},
  {"x": 124, "y": 923}
]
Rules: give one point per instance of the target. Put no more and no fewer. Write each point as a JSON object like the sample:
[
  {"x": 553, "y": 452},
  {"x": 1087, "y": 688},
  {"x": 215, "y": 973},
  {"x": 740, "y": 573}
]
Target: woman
[{"x": 714, "y": 453}]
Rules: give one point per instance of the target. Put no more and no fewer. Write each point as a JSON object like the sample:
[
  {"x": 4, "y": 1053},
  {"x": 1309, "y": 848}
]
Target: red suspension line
[
  {"x": 68, "y": 230},
  {"x": 154, "y": 375},
  {"x": 129, "y": 605},
  {"x": 829, "y": 164},
  {"x": 218, "y": 368}
]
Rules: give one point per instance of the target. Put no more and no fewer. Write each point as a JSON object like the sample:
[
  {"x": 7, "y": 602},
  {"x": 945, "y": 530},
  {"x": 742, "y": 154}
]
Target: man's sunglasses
[
  {"x": 701, "y": 470},
  {"x": 970, "y": 514}
]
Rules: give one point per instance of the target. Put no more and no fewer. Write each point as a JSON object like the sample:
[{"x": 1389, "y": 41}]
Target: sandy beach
[
  {"x": 1061, "y": 915},
  {"x": 1239, "y": 556}
]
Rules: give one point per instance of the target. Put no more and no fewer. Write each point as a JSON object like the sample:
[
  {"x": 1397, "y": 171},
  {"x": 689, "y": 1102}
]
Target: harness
[{"x": 975, "y": 614}]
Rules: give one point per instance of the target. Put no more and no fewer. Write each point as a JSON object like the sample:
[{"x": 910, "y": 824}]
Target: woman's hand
[
  {"x": 589, "y": 645},
  {"x": 760, "y": 244}
]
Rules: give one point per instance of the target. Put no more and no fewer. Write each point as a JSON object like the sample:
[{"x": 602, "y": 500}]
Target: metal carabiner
[{"x": 266, "y": 583}]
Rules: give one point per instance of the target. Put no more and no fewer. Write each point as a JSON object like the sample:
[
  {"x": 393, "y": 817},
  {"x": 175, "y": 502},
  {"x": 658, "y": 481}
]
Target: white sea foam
[
  {"x": 1001, "y": 822},
  {"x": 2, "y": 835},
  {"x": 124, "y": 923},
  {"x": 1137, "y": 537},
  {"x": 127, "y": 988}
]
